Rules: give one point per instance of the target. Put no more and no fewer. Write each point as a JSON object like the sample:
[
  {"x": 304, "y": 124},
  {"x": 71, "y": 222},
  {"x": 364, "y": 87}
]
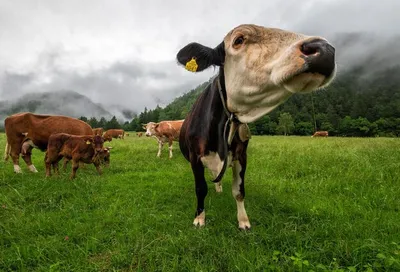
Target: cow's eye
[{"x": 238, "y": 41}]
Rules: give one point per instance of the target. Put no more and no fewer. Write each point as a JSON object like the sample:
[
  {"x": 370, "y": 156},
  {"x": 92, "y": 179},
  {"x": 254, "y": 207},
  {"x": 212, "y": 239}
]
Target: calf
[
  {"x": 104, "y": 158},
  {"x": 164, "y": 131},
  {"x": 84, "y": 149},
  {"x": 260, "y": 68},
  {"x": 139, "y": 134},
  {"x": 320, "y": 134}
]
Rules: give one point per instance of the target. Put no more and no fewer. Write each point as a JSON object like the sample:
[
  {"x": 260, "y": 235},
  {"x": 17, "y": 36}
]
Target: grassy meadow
[{"x": 315, "y": 204}]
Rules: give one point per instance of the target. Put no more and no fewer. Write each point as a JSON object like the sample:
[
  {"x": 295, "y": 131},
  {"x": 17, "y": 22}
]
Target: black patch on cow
[{"x": 204, "y": 56}]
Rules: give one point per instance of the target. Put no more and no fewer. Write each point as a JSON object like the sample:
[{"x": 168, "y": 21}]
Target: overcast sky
[{"x": 123, "y": 52}]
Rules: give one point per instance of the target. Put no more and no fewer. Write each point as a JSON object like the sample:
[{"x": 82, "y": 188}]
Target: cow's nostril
[{"x": 313, "y": 47}]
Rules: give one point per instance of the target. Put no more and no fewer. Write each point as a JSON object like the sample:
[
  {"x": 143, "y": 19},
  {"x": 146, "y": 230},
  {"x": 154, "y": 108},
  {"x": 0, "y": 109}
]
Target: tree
[{"x": 285, "y": 125}]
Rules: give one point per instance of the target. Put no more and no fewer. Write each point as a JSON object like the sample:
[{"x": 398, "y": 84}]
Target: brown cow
[
  {"x": 113, "y": 133},
  {"x": 98, "y": 131},
  {"x": 320, "y": 134},
  {"x": 164, "y": 131},
  {"x": 25, "y": 131},
  {"x": 86, "y": 149},
  {"x": 139, "y": 134},
  {"x": 259, "y": 69},
  {"x": 104, "y": 158}
]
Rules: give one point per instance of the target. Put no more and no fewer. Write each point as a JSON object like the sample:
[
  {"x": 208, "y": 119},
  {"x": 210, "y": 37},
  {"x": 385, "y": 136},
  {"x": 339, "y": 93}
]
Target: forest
[{"x": 357, "y": 104}]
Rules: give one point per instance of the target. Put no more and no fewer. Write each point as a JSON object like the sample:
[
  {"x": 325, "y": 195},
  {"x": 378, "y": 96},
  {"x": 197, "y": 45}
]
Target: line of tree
[{"x": 357, "y": 104}]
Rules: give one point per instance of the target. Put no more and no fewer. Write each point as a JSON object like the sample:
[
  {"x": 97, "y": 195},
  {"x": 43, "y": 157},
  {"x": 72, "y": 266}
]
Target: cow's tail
[{"x": 7, "y": 151}]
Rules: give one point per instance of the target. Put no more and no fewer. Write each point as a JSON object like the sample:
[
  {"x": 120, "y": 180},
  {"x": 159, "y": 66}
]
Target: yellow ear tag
[
  {"x": 191, "y": 65},
  {"x": 88, "y": 142}
]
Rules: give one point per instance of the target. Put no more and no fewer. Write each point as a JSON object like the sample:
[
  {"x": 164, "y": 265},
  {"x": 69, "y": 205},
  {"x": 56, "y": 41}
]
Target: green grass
[{"x": 314, "y": 204}]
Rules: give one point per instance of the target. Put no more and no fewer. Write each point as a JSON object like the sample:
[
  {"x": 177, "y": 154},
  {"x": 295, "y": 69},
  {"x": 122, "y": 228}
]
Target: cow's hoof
[
  {"x": 32, "y": 168},
  {"x": 218, "y": 188},
  {"x": 200, "y": 220},
  {"x": 17, "y": 169},
  {"x": 244, "y": 225}
]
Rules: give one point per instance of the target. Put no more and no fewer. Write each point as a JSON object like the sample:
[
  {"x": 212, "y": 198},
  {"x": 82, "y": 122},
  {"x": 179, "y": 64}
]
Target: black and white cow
[{"x": 260, "y": 68}]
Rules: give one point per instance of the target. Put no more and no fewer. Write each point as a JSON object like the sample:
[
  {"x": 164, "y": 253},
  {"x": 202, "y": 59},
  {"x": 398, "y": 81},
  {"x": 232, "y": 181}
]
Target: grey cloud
[{"x": 124, "y": 56}]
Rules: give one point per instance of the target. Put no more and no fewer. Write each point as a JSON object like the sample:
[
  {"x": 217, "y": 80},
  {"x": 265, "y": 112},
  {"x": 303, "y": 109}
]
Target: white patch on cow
[
  {"x": 17, "y": 169},
  {"x": 32, "y": 168},
  {"x": 214, "y": 163},
  {"x": 170, "y": 152},
  {"x": 160, "y": 146},
  {"x": 243, "y": 220},
  {"x": 218, "y": 187},
  {"x": 200, "y": 220}
]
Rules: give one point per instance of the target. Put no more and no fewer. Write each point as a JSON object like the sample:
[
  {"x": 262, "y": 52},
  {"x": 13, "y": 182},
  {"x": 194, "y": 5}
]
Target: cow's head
[
  {"x": 105, "y": 156},
  {"x": 96, "y": 142},
  {"x": 150, "y": 128},
  {"x": 107, "y": 137},
  {"x": 262, "y": 67}
]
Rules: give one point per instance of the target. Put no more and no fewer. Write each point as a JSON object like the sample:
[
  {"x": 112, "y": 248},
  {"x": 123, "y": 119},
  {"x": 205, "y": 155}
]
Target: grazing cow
[
  {"x": 113, "y": 133},
  {"x": 98, "y": 131},
  {"x": 104, "y": 158},
  {"x": 139, "y": 134},
  {"x": 320, "y": 134},
  {"x": 260, "y": 68},
  {"x": 126, "y": 134},
  {"x": 25, "y": 131},
  {"x": 164, "y": 131},
  {"x": 86, "y": 149}
]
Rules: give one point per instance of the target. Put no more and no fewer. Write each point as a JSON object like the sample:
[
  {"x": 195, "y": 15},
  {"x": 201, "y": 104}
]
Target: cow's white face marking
[
  {"x": 32, "y": 168},
  {"x": 17, "y": 169},
  {"x": 265, "y": 70},
  {"x": 150, "y": 129}
]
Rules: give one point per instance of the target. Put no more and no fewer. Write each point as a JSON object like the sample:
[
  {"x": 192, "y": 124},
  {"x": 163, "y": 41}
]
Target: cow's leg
[
  {"x": 239, "y": 169},
  {"x": 15, "y": 158},
  {"x": 75, "y": 166},
  {"x": 201, "y": 192},
  {"x": 65, "y": 163},
  {"x": 28, "y": 160},
  {"x": 7, "y": 152},
  {"x": 47, "y": 162},
  {"x": 98, "y": 168},
  {"x": 170, "y": 148},
  {"x": 160, "y": 146},
  {"x": 55, "y": 164}
]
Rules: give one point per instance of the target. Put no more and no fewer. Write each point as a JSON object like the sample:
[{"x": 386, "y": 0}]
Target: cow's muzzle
[{"x": 319, "y": 57}]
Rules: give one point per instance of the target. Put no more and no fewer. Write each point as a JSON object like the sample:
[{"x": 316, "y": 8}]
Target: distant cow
[
  {"x": 98, "y": 131},
  {"x": 86, "y": 149},
  {"x": 126, "y": 134},
  {"x": 25, "y": 131},
  {"x": 139, "y": 134},
  {"x": 164, "y": 131},
  {"x": 320, "y": 134},
  {"x": 113, "y": 133},
  {"x": 260, "y": 68}
]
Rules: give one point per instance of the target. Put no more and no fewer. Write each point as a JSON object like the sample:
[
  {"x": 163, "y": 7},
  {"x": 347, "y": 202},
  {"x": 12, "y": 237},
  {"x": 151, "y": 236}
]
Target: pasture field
[{"x": 315, "y": 204}]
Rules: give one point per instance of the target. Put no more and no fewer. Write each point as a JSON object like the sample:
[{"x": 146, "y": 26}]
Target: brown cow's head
[
  {"x": 105, "y": 156},
  {"x": 96, "y": 141},
  {"x": 150, "y": 128},
  {"x": 262, "y": 67}
]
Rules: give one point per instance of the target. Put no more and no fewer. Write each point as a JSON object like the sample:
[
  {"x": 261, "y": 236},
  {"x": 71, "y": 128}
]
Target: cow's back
[{"x": 40, "y": 127}]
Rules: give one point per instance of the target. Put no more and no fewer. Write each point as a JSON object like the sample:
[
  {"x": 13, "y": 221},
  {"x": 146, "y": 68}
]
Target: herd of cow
[{"x": 259, "y": 69}]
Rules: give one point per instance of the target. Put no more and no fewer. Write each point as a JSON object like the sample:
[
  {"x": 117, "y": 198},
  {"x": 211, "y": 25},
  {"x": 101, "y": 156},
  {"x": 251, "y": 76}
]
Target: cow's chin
[{"x": 307, "y": 82}]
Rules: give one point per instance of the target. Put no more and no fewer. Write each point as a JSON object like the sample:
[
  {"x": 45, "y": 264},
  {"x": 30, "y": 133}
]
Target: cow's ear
[{"x": 196, "y": 57}]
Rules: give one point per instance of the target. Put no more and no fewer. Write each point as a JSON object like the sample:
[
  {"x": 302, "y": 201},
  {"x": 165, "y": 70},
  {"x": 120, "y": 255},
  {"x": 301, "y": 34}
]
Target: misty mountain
[{"x": 67, "y": 103}]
